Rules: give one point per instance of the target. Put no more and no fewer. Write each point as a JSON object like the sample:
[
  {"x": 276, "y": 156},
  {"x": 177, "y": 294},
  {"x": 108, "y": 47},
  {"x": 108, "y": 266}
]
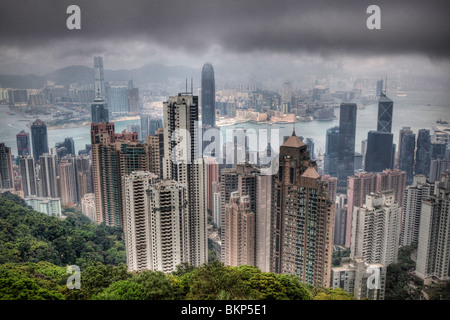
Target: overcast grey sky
[{"x": 414, "y": 35}]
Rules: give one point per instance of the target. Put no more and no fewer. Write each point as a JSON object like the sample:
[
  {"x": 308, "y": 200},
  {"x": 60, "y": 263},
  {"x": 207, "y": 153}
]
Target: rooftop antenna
[
  {"x": 192, "y": 87},
  {"x": 385, "y": 87},
  {"x": 186, "y": 85}
]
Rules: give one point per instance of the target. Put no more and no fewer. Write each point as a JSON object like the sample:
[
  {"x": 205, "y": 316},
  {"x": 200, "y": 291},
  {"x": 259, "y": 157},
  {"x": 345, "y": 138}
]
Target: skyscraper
[
  {"x": 133, "y": 98},
  {"x": 99, "y": 81},
  {"x": 149, "y": 125},
  {"x": 212, "y": 175},
  {"x": 67, "y": 182},
  {"x": 39, "y": 139},
  {"x": 28, "y": 174},
  {"x": 302, "y": 217},
  {"x": 310, "y": 145},
  {"x": 380, "y": 152},
  {"x": 415, "y": 194},
  {"x": 208, "y": 96},
  {"x": 437, "y": 150},
  {"x": 48, "y": 177},
  {"x": 331, "y": 151},
  {"x": 105, "y": 173},
  {"x": 332, "y": 186},
  {"x": 248, "y": 181},
  {"x": 385, "y": 110},
  {"x": 433, "y": 256},
  {"x": 340, "y": 220},
  {"x": 406, "y": 155},
  {"x": 118, "y": 100},
  {"x": 376, "y": 229},
  {"x": 99, "y": 111},
  {"x": 379, "y": 87},
  {"x": 423, "y": 154},
  {"x": 83, "y": 176},
  {"x": 437, "y": 167},
  {"x": 359, "y": 186},
  {"x": 88, "y": 206},
  {"x": 393, "y": 179},
  {"x": 113, "y": 156},
  {"x": 139, "y": 216},
  {"x": 23, "y": 143},
  {"x": 6, "y": 169},
  {"x": 69, "y": 147},
  {"x": 239, "y": 231},
  {"x": 346, "y": 152},
  {"x": 183, "y": 163}
]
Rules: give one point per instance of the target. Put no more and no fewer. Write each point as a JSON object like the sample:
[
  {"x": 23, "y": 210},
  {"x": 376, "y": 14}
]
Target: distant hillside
[{"x": 150, "y": 73}]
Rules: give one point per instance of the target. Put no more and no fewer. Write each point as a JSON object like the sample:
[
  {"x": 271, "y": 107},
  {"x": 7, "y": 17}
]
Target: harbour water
[{"x": 418, "y": 110}]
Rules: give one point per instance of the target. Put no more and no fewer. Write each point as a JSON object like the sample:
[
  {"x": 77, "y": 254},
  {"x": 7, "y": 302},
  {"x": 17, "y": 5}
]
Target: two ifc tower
[{"x": 208, "y": 98}]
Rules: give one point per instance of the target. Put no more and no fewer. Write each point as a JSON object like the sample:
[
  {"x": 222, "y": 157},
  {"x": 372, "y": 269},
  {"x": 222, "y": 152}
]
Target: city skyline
[{"x": 315, "y": 149}]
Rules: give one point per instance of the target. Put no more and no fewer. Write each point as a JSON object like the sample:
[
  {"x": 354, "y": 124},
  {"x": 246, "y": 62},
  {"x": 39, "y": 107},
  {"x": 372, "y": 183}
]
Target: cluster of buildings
[
  {"x": 389, "y": 199},
  {"x": 153, "y": 182}
]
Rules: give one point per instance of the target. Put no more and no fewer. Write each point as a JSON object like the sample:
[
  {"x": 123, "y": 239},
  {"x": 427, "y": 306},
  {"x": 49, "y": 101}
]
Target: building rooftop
[
  {"x": 293, "y": 141},
  {"x": 311, "y": 172}
]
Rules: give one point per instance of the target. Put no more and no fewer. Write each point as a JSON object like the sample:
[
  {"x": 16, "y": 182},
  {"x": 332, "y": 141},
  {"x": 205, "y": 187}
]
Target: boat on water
[{"x": 442, "y": 121}]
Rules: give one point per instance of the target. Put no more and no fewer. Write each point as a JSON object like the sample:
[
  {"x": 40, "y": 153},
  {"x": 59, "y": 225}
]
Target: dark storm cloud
[{"x": 239, "y": 26}]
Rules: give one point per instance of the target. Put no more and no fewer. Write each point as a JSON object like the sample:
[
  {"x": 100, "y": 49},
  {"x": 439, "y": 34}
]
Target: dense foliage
[
  {"x": 213, "y": 281},
  {"x": 30, "y": 236},
  {"x": 399, "y": 282},
  {"x": 36, "y": 249}
]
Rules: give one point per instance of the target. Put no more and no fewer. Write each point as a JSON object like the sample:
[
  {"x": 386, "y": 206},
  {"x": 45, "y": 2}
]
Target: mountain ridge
[{"x": 84, "y": 75}]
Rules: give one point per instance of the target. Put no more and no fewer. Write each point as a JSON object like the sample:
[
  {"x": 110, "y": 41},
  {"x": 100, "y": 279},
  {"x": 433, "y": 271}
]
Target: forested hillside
[{"x": 35, "y": 251}]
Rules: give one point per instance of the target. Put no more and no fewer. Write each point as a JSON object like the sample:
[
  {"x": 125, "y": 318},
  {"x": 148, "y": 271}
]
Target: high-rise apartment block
[
  {"x": 302, "y": 217},
  {"x": 88, "y": 206},
  {"x": 332, "y": 186},
  {"x": 415, "y": 194},
  {"x": 433, "y": 254},
  {"x": 340, "y": 220},
  {"x": 67, "y": 182},
  {"x": 376, "y": 229},
  {"x": 23, "y": 143},
  {"x": 184, "y": 164},
  {"x": 113, "y": 156},
  {"x": 239, "y": 231},
  {"x": 48, "y": 176},
  {"x": 6, "y": 169},
  {"x": 28, "y": 174},
  {"x": 359, "y": 186},
  {"x": 395, "y": 180}
]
